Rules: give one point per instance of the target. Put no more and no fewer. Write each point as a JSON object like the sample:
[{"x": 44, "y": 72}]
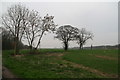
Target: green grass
[
  {"x": 44, "y": 66},
  {"x": 87, "y": 58}
]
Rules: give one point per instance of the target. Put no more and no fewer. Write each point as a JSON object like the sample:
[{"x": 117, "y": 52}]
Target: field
[{"x": 57, "y": 63}]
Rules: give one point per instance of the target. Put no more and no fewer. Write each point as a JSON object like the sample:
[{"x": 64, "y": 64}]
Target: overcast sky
[{"x": 101, "y": 18}]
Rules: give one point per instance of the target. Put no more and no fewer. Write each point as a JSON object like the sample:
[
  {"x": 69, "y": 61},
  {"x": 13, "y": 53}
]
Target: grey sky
[{"x": 101, "y": 18}]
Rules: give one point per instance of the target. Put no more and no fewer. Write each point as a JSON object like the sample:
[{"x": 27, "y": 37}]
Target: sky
[{"x": 100, "y": 18}]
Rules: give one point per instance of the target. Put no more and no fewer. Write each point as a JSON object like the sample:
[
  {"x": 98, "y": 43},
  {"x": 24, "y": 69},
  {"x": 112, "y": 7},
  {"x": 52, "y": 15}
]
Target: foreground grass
[{"x": 49, "y": 64}]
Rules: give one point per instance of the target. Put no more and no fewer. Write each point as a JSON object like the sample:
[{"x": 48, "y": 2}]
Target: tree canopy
[{"x": 66, "y": 33}]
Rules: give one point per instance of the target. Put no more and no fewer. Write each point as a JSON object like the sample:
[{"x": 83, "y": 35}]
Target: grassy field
[{"x": 57, "y": 63}]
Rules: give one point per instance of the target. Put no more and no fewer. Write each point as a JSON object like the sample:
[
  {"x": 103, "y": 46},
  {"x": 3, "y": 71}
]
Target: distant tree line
[
  {"x": 104, "y": 47},
  {"x": 20, "y": 23},
  {"x": 8, "y": 41}
]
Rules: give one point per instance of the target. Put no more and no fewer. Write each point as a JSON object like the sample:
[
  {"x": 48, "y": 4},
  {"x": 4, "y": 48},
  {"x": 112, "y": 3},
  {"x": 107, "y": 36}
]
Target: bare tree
[
  {"x": 33, "y": 28},
  {"x": 83, "y": 36},
  {"x": 37, "y": 27},
  {"x": 47, "y": 25},
  {"x": 15, "y": 21},
  {"x": 66, "y": 33}
]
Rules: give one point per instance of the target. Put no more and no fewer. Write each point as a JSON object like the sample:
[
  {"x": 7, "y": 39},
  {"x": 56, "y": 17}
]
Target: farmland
[{"x": 57, "y": 63}]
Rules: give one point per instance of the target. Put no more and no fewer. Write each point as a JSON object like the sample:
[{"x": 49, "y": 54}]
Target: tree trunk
[
  {"x": 91, "y": 47},
  {"x": 39, "y": 40},
  {"x": 16, "y": 48},
  {"x": 66, "y": 46},
  {"x": 80, "y": 47},
  {"x": 30, "y": 49}
]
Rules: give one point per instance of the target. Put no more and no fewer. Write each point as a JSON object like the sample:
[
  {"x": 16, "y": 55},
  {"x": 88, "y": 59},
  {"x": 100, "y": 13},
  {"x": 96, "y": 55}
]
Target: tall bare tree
[
  {"x": 37, "y": 27},
  {"x": 47, "y": 25},
  {"x": 14, "y": 20},
  {"x": 66, "y": 33},
  {"x": 83, "y": 36},
  {"x": 33, "y": 28}
]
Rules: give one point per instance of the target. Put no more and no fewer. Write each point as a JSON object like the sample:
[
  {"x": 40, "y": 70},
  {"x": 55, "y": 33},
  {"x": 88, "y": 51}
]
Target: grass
[
  {"x": 48, "y": 64},
  {"x": 87, "y": 58}
]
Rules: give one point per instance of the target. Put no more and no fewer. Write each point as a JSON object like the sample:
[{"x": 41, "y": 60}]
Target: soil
[
  {"x": 6, "y": 73},
  {"x": 106, "y": 57},
  {"x": 55, "y": 54},
  {"x": 19, "y": 55}
]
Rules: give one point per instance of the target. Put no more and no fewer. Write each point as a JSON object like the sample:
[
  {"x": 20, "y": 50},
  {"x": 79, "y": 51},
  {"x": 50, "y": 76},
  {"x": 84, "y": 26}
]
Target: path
[
  {"x": 104, "y": 57},
  {"x": 7, "y": 73},
  {"x": 92, "y": 70}
]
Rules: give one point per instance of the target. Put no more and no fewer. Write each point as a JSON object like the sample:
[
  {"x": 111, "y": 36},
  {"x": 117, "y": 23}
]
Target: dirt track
[
  {"x": 6, "y": 73},
  {"x": 106, "y": 57}
]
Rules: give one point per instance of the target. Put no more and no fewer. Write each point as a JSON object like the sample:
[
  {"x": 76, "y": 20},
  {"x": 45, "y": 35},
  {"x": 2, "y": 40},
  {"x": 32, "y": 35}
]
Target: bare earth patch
[
  {"x": 7, "y": 73},
  {"x": 19, "y": 55},
  {"x": 106, "y": 57},
  {"x": 55, "y": 54}
]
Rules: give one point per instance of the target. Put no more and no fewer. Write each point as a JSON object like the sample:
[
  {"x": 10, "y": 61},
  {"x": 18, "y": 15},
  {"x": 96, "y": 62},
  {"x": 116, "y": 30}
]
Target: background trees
[
  {"x": 66, "y": 33},
  {"x": 8, "y": 40},
  {"x": 82, "y": 36}
]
